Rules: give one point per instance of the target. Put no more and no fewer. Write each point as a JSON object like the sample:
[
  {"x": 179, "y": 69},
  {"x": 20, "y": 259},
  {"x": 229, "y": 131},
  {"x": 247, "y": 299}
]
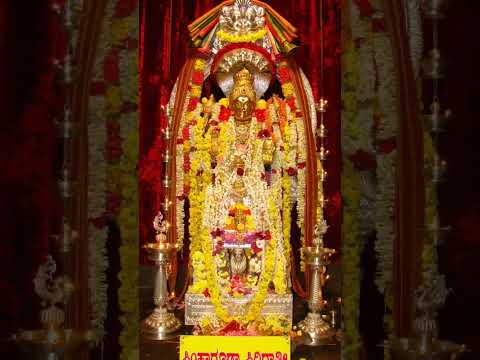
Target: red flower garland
[
  {"x": 284, "y": 74},
  {"x": 292, "y": 171},
  {"x": 291, "y": 102},
  {"x": 193, "y": 104},
  {"x": 263, "y": 134},
  {"x": 197, "y": 77},
  {"x": 261, "y": 115},
  {"x": 225, "y": 113}
]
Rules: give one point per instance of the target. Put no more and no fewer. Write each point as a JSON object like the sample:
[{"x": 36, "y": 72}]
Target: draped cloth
[
  {"x": 165, "y": 49},
  {"x": 31, "y": 36}
]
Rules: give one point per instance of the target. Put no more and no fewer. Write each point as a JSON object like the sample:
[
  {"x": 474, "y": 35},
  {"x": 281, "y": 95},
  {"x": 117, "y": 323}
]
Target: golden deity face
[
  {"x": 242, "y": 97},
  {"x": 242, "y": 108}
]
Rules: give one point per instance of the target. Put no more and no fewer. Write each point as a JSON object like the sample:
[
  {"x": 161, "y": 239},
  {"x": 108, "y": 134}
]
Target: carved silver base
[
  {"x": 197, "y": 306},
  {"x": 317, "y": 331},
  {"x": 160, "y": 325}
]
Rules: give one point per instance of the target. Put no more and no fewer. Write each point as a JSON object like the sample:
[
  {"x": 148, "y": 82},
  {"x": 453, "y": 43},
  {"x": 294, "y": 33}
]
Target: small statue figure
[{"x": 238, "y": 262}]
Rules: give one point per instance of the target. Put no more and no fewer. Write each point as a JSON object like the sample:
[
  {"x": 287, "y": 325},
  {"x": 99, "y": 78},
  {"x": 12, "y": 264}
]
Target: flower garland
[
  {"x": 97, "y": 204},
  {"x": 186, "y": 183},
  {"x": 198, "y": 175},
  {"x": 286, "y": 182},
  {"x": 386, "y": 116},
  {"x": 415, "y": 34},
  {"x": 296, "y": 165},
  {"x": 266, "y": 277},
  {"x": 351, "y": 272},
  {"x": 429, "y": 253},
  {"x": 114, "y": 181},
  {"x": 351, "y": 244},
  {"x": 124, "y": 37},
  {"x": 241, "y": 38}
]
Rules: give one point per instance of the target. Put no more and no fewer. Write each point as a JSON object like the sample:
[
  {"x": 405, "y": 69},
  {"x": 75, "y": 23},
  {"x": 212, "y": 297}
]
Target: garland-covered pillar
[{"x": 410, "y": 183}]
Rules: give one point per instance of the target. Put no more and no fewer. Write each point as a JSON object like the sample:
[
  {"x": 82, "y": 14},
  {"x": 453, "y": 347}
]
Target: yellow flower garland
[
  {"x": 235, "y": 38},
  {"x": 288, "y": 89},
  {"x": 351, "y": 247},
  {"x": 113, "y": 99},
  {"x": 199, "y": 65},
  {"x": 205, "y": 274},
  {"x": 201, "y": 245}
]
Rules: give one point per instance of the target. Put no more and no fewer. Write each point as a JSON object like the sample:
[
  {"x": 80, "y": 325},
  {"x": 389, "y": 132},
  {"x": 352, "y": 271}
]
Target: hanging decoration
[
  {"x": 113, "y": 152},
  {"x": 369, "y": 131},
  {"x": 351, "y": 242}
]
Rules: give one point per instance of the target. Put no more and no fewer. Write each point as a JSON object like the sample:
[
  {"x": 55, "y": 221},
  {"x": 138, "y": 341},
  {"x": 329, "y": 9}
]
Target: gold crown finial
[{"x": 243, "y": 77}]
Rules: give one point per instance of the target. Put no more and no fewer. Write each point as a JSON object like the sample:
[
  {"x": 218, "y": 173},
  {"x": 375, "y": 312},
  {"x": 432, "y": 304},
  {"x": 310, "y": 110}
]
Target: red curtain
[
  {"x": 164, "y": 49},
  {"x": 31, "y": 38}
]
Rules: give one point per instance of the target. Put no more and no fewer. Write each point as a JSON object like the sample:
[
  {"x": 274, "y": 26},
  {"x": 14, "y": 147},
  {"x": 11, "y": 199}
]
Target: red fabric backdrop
[
  {"x": 31, "y": 38},
  {"x": 164, "y": 49}
]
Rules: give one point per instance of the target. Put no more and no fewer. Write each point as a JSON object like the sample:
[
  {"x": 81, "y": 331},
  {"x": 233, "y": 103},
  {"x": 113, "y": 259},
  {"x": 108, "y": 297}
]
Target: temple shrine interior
[{"x": 239, "y": 179}]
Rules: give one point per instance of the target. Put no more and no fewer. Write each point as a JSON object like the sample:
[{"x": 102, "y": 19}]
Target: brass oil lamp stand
[
  {"x": 318, "y": 331},
  {"x": 53, "y": 340},
  {"x": 431, "y": 295},
  {"x": 59, "y": 337},
  {"x": 160, "y": 324},
  {"x": 425, "y": 343}
]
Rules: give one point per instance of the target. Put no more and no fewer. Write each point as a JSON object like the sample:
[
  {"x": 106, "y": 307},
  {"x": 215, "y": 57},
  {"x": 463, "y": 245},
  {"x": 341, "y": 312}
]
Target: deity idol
[
  {"x": 242, "y": 164},
  {"x": 243, "y": 205}
]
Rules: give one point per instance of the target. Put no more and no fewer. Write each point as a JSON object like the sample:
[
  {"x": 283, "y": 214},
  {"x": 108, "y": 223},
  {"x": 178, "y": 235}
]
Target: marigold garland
[
  {"x": 198, "y": 175},
  {"x": 241, "y": 38},
  {"x": 266, "y": 277},
  {"x": 97, "y": 186},
  {"x": 351, "y": 244},
  {"x": 299, "y": 156},
  {"x": 113, "y": 154},
  {"x": 122, "y": 177}
]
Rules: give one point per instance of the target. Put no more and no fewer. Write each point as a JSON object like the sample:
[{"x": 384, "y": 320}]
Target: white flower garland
[
  {"x": 366, "y": 85},
  {"x": 127, "y": 218},
  {"x": 97, "y": 254},
  {"x": 97, "y": 238},
  {"x": 415, "y": 33},
  {"x": 385, "y": 203},
  {"x": 386, "y": 163}
]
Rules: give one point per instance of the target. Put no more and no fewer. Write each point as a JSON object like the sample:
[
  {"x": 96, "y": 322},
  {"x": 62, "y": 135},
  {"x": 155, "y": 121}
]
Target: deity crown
[{"x": 243, "y": 85}]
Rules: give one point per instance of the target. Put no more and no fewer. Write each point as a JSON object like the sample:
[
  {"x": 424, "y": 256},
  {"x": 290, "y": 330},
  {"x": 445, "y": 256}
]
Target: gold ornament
[{"x": 243, "y": 86}]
